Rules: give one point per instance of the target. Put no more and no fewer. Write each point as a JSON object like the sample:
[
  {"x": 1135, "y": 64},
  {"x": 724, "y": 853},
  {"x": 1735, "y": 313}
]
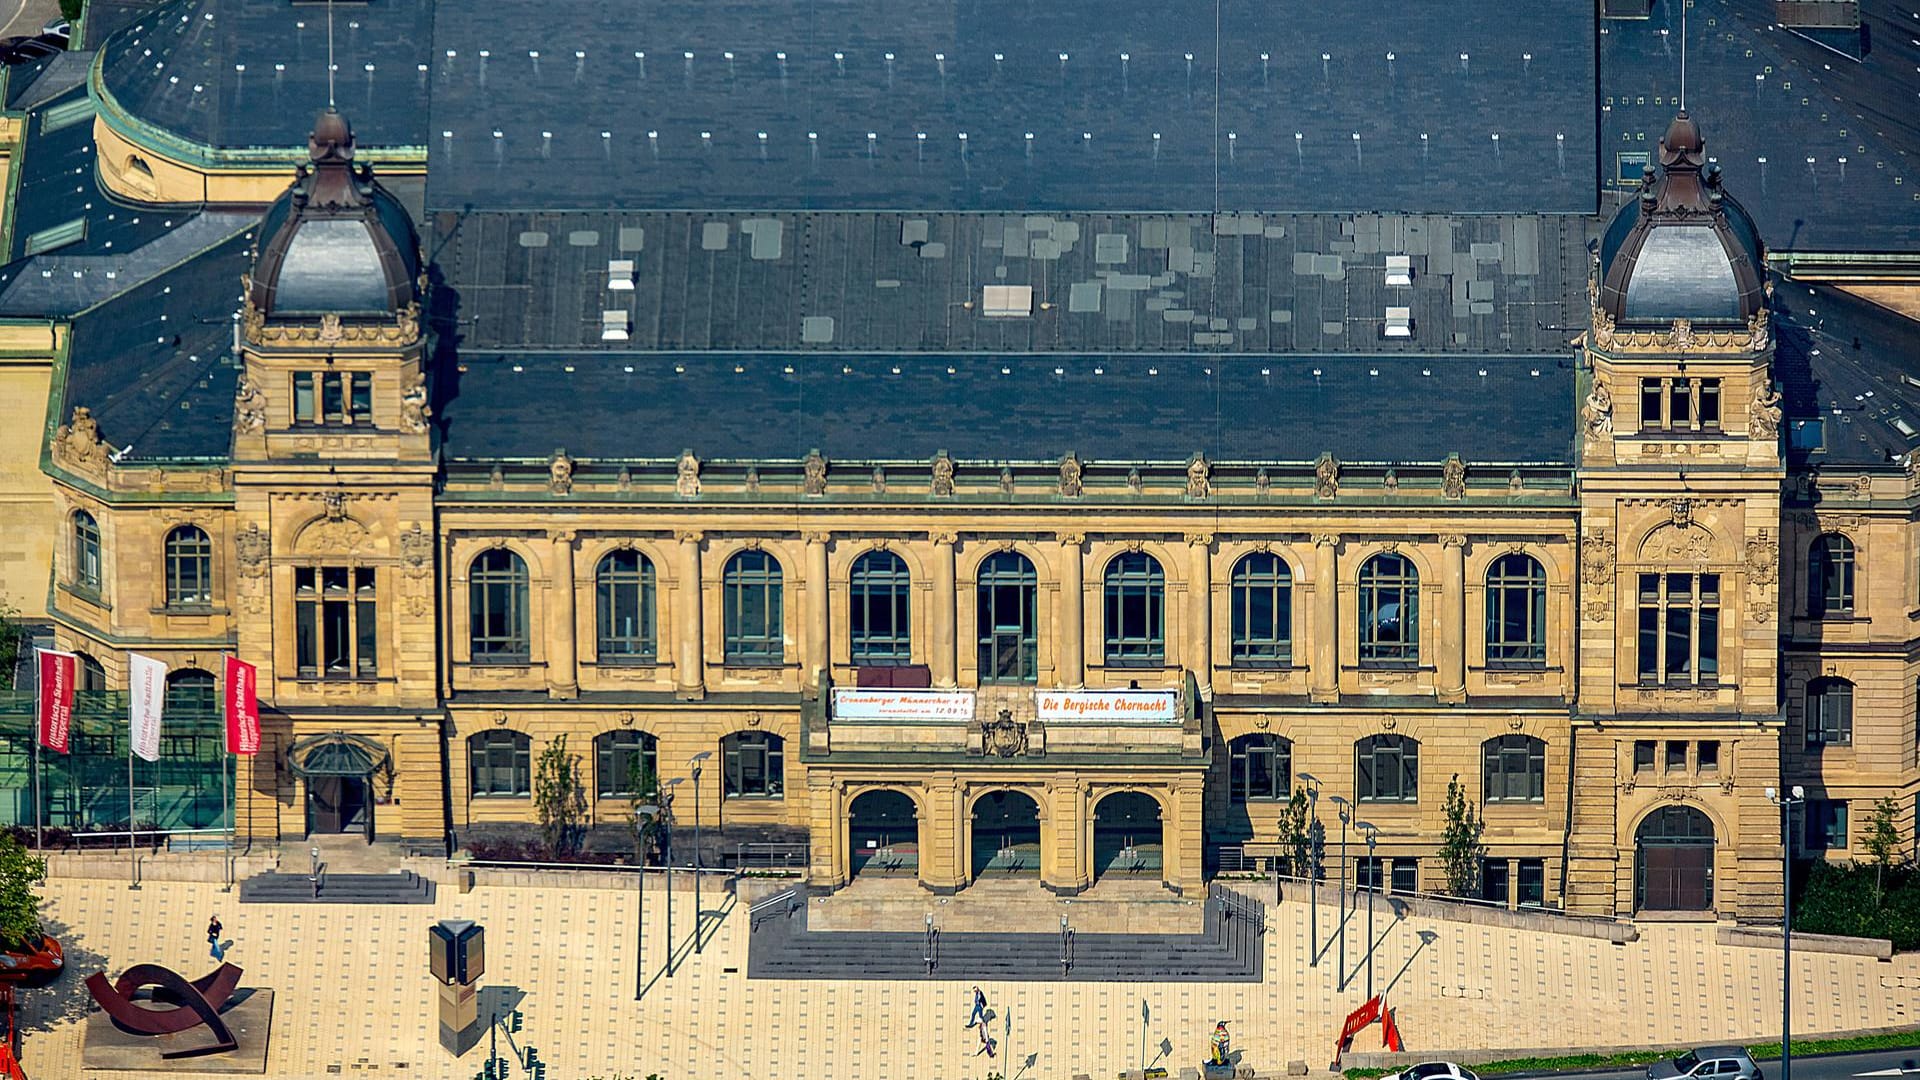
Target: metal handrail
[{"x": 785, "y": 897}]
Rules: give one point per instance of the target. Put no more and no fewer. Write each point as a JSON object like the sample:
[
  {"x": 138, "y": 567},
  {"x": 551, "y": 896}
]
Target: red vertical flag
[
  {"x": 58, "y": 672},
  {"x": 243, "y": 708}
]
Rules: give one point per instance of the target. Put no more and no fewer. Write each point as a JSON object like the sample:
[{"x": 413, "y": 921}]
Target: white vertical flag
[{"x": 147, "y": 681}]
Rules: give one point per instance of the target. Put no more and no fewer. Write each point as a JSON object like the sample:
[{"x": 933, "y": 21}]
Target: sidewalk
[{"x": 354, "y": 996}]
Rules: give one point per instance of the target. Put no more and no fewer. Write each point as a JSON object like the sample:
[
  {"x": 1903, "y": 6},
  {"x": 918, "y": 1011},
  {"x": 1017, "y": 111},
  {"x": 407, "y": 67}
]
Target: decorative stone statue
[
  {"x": 686, "y": 481},
  {"x": 814, "y": 468},
  {"x": 1262, "y": 483},
  {"x": 1134, "y": 483},
  {"x": 1453, "y": 477},
  {"x": 1598, "y": 412},
  {"x": 414, "y": 409},
  {"x": 879, "y": 480},
  {"x": 1006, "y": 479},
  {"x": 409, "y": 322},
  {"x": 1763, "y": 415},
  {"x": 1326, "y": 476},
  {"x": 1199, "y": 485},
  {"x": 942, "y": 474},
  {"x": 560, "y": 473},
  {"x": 79, "y": 442},
  {"x": 1070, "y": 476},
  {"x": 753, "y": 480},
  {"x": 249, "y": 407}
]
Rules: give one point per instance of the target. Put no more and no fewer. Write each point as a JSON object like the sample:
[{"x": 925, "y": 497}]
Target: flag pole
[
  {"x": 133, "y": 858},
  {"x": 226, "y": 788},
  {"x": 39, "y": 838}
]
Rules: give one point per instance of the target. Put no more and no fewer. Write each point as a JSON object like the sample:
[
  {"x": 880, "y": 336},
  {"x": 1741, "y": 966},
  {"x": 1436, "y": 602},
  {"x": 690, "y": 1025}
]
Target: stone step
[{"x": 404, "y": 887}]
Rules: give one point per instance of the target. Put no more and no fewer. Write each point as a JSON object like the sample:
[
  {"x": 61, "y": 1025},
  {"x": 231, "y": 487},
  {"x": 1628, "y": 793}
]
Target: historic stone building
[{"x": 955, "y": 544}]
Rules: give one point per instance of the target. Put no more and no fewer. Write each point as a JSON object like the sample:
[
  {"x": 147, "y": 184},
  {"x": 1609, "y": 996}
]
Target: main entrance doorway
[
  {"x": 338, "y": 770},
  {"x": 339, "y": 804},
  {"x": 884, "y": 833},
  {"x": 1673, "y": 861},
  {"x": 1127, "y": 836},
  {"x": 1006, "y": 836}
]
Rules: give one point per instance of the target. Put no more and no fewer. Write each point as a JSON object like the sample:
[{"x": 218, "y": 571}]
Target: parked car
[
  {"x": 20, "y": 50},
  {"x": 1717, "y": 1062},
  {"x": 59, "y": 28},
  {"x": 35, "y": 966},
  {"x": 1433, "y": 1070}
]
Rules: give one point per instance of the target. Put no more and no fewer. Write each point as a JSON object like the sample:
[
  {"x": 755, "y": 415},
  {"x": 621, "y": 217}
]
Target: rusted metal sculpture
[{"x": 193, "y": 1003}]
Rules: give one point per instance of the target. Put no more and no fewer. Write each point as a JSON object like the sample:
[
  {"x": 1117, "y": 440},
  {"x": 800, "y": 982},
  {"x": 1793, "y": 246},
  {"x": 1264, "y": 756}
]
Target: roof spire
[
  {"x": 330, "y": 150},
  {"x": 330, "y": 55}
]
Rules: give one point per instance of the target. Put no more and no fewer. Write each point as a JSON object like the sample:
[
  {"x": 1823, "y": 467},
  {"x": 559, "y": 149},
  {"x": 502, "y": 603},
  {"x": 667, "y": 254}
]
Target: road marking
[
  {"x": 17, "y": 11},
  {"x": 1888, "y": 1072}
]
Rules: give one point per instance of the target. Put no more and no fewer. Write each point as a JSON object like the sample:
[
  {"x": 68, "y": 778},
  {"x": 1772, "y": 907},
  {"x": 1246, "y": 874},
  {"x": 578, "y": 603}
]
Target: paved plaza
[{"x": 355, "y": 998}]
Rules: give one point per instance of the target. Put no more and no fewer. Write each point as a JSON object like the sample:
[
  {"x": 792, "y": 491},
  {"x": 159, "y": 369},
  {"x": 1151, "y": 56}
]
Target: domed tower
[{"x": 1680, "y": 478}]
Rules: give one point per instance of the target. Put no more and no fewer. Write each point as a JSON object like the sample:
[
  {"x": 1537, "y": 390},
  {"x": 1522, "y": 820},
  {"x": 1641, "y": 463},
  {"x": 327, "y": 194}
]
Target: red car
[{"x": 37, "y": 967}]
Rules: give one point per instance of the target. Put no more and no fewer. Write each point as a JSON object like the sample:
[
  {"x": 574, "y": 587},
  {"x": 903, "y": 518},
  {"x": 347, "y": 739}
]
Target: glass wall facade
[{"x": 86, "y": 790}]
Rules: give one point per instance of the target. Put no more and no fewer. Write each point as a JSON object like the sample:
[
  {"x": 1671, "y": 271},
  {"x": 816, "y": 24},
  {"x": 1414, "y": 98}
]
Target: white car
[{"x": 1433, "y": 1070}]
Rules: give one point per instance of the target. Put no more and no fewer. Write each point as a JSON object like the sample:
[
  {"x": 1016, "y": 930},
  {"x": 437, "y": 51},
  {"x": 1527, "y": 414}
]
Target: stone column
[
  {"x": 1325, "y": 683},
  {"x": 1200, "y": 598},
  {"x": 691, "y": 676},
  {"x": 1071, "y": 663},
  {"x": 943, "y": 660},
  {"x": 562, "y": 655},
  {"x": 1451, "y": 642},
  {"x": 819, "y": 640}
]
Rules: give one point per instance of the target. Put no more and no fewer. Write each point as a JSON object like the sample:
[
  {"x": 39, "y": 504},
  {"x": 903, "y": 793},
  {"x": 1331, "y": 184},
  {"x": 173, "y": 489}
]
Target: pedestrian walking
[
  {"x": 979, "y": 1015},
  {"x": 213, "y": 939}
]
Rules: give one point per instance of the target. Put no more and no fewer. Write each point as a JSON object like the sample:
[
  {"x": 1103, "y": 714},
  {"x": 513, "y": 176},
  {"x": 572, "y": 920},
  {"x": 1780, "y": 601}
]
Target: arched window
[
  {"x": 1515, "y": 769},
  {"x": 1136, "y": 610},
  {"x": 1387, "y": 769},
  {"x": 1389, "y": 610},
  {"x": 1009, "y": 630},
  {"x": 755, "y": 765},
  {"x": 189, "y": 692},
  {"x": 626, "y": 765},
  {"x": 1262, "y": 768},
  {"x": 877, "y": 614},
  {"x": 1830, "y": 577},
  {"x": 93, "y": 677},
  {"x": 189, "y": 567},
  {"x": 754, "y": 633},
  {"x": 1262, "y": 617},
  {"x": 86, "y": 552},
  {"x": 497, "y": 602},
  {"x": 623, "y": 589},
  {"x": 1516, "y": 611},
  {"x": 1829, "y": 713},
  {"x": 500, "y": 762}
]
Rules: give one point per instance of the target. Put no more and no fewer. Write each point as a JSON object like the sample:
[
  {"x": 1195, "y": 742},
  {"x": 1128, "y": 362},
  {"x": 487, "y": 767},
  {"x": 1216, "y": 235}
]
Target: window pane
[
  {"x": 334, "y": 637},
  {"x": 362, "y": 396},
  {"x": 1708, "y": 755},
  {"x": 1649, "y": 665},
  {"x": 332, "y": 398},
  {"x": 1709, "y": 644},
  {"x": 1679, "y": 643},
  {"x": 303, "y": 398},
  {"x": 306, "y": 643},
  {"x": 367, "y": 650}
]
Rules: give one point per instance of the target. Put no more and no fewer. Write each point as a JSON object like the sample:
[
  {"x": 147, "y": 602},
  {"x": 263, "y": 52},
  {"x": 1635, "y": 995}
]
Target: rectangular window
[
  {"x": 1493, "y": 880},
  {"x": 1826, "y": 825},
  {"x": 1643, "y": 755},
  {"x": 1807, "y": 436},
  {"x": 1649, "y": 628},
  {"x": 336, "y": 627},
  {"x": 359, "y": 398},
  {"x": 332, "y": 397},
  {"x": 1676, "y": 755},
  {"x": 1406, "y": 876},
  {"x": 1680, "y": 404},
  {"x": 1652, "y": 417},
  {"x": 1710, "y": 404},
  {"x": 1679, "y": 629},
  {"x": 1708, "y": 756},
  {"x": 303, "y": 410},
  {"x": 1532, "y": 882},
  {"x": 1367, "y": 872}
]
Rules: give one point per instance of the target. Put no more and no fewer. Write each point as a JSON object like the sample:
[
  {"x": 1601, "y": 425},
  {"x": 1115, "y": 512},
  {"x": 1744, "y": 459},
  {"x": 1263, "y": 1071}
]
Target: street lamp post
[
  {"x": 670, "y": 785},
  {"x": 641, "y": 816},
  {"x": 1312, "y": 783},
  {"x": 1786, "y": 805},
  {"x": 1373, "y": 886},
  {"x": 698, "y": 917},
  {"x": 1345, "y": 819}
]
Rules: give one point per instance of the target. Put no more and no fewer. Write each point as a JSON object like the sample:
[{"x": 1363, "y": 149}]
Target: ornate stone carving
[
  {"x": 1262, "y": 483},
  {"x": 625, "y": 717},
  {"x": 813, "y": 470},
  {"x": 686, "y": 482},
  {"x": 560, "y": 473},
  {"x": 1326, "y": 476},
  {"x": 1072, "y": 540},
  {"x": 1326, "y": 539},
  {"x": 1452, "y": 540},
  {"x": 1006, "y": 479},
  {"x": 1596, "y": 573},
  {"x": 78, "y": 445},
  {"x": 1070, "y": 476},
  {"x": 1199, "y": 482},
  {"x": 1204, "y": 540},
  {"x": 1391, "y": 547},
  {"x": 496, "y": 478},
  {"x": 1863, "y": 486},
  {"x": 1391, "y": 482},
  {"x": 250, "y": 547},
  {"x": 1515, "y": 485},
  {"x": 879, "y": 480},
  {"x": 249, "y": 407},
  {"x": 416, "y": 551},
  {"x": 407, "y": 322},
  {"x": 1134, "y": 544},
  {"x": 1763, "y": 558},
  {"x": 624, "y": 482},
  {"x": 334, "y": 505},
  {"x": 942, "y": 474},
  {"x": 414, "y": 409},
  {"x": 1681, "y": 511},
  {"x": 1680, "y": 335},
  {"x": 1672, "y": 543},
  {"x": 1388, "y": 723},
  {"x": 1134, "y": 483},
  {"x": 1005, "y": 736},
  {"x": 946, "y": 538},
  {"x": 1453, "y": 477},
  {"x": 330, "y": 329},
  {"x": 333, "y": 536},
  {"x": 1675, "y": 793},
  {"x": 753, "y": 480},
  {"x": 1262, "y": 723},
  {"x": 1763, "y": 413},
  {"x": 1598, "y": 411}
]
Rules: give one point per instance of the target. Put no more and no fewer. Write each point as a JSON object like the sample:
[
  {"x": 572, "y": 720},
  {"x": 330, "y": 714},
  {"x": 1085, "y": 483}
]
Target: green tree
[
  {"x": 20, "y": 872},
  {"x": 70, "y": 9},
  {"x": 1882, "y": 841},
  {"x": 1294, "y": 833},
  {"x": 559, "y": 798},
  {"x": 12, "y": 637},
  {"x": 1460, "y": 846},
  {"x": 645, "y": 784}
]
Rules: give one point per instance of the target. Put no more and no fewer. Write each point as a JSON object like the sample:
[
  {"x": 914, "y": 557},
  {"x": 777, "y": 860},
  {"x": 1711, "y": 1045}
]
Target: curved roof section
[
  {"x": 1685, "y": 249},
  {"x": 244, "y": 74}
]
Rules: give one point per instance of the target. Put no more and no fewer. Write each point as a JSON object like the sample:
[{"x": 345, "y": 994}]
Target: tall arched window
[
  {"x": 1829, "y": 712},
  {"x": 190, "y": 691},
  {"x": 1386, "y": 769},
  {"x": 1514, "y": 769},
  {"x": 877, "y": 612},
  {"x": 1136, "y": 622},
  {"x": 1262, "y": 616},
  {"x": 500, "y": 762},
  {"x": 86, "y": 551},
  {"x": 626, "y": 764},
  {"x": 93, "y": 677},
  {"x": 189, "y": 567},
  {"x": 497, "y": 603},
  {"x": 1830, "y": 577},
  {"x": 623, "y": 592},
  {"x": 1262, "y": 768},
  {"x": 1009, "y": 630},
  {"x": 1516, "y": 611},
  {"x": 752, "y": 594},
  {"x": 1389, "y": 610},
  {"x": 755, "y": 765}
]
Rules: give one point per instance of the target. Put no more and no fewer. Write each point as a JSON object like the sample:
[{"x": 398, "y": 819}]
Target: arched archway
[
  {"x": 1006, "y": 835},
  {"x": 883, "y": 831},
  {"x": 1673, "y": 861},
  {"x": 1128, "y": 836}
]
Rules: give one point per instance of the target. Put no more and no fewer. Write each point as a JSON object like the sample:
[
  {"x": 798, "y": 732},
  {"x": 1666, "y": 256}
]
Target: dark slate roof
[
  {"x": 105, "y": 18},
  {"x": 1483, "y": 107},
  {"x": 1490, "y": 410},
  {"x": 1760, "y": 92},
  {"x": 179, "y": 69},
  {"x": 154, "y": 364},
  {"x": 900, "y": 282},
  {"x": 33, "y": 84},
  {"x": 1852, "y": 364}
]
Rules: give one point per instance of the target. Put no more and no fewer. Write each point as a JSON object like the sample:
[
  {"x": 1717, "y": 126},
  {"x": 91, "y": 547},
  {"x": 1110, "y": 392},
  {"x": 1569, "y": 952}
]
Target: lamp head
[
  {"x": 1799, "y": 792},
  {"x": 1771, "y": 794}
]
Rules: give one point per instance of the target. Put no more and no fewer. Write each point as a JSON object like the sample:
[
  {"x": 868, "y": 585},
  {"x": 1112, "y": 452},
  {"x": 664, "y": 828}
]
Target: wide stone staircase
[
  {"x": 401, "y": 887},
  {"x": 1228, "y": 949}
]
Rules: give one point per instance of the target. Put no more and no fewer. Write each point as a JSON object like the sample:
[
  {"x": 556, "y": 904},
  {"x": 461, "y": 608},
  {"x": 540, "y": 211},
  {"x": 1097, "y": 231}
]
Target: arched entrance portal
[
  {"x": 885, "y": 834},
  {"x": 1006, "y": 836},
  {"x": 1127, "y": 836},
  {"x": 1673, "y": 861}
]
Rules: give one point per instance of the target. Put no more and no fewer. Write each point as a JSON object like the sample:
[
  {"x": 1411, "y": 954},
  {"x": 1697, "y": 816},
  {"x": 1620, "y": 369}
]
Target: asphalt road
[{"x": 1881, "y": 1064}]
